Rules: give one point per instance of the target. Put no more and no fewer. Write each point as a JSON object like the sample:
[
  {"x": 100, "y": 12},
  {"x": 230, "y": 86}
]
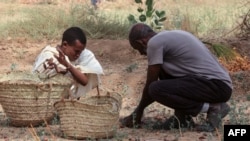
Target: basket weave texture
[
  {"x": 94, "y": 117},
  {"x": 28, "y": 99}
]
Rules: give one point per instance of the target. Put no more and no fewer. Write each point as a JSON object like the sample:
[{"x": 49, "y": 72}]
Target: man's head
[
  {"x": 139, "y": 35},
  {"x": 73, "y": 42}
]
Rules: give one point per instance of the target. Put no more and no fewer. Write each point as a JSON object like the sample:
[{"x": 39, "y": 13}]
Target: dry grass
[{"x": 205, "y": 18}]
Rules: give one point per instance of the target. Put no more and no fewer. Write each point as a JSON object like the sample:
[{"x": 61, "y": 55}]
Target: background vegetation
[
  {"x": 210, "y": 20},
  {"x": 46, "y": 19}
]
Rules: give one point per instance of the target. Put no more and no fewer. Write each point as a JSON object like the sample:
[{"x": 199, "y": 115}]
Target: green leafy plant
[
  {"x": 148, "y": 15},
  {"x": 132, "y": 67},
  {"x": 221, "y": 50},
  {"x": 13, "y": 66}
]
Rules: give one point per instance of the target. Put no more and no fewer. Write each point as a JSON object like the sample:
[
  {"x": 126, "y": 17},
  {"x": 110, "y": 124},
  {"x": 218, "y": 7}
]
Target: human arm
[
  {"x": 76, "y": 73},
  {"x": 134, "y": 119}
]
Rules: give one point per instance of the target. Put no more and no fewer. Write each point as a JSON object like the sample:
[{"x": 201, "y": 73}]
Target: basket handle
[
  {"x": 98, "y": 91},
  {"x": 42, "y": 87},
  {"x": 108, "y": 92}
]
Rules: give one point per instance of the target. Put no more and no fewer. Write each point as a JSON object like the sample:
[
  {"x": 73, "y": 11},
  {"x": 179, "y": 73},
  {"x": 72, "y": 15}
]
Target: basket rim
[
  {"x": 31, "y": 83},
  {"x": 73, "y": 101},
  {"x": 38, "y": 81}
]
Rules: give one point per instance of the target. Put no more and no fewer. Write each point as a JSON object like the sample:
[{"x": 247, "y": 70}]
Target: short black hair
[
  {"x": 139, "y": 31},
  {"x": 72, "y": 34}
]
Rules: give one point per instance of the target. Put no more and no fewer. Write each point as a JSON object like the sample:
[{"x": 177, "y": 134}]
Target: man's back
[{"x": 181, "y": 54}]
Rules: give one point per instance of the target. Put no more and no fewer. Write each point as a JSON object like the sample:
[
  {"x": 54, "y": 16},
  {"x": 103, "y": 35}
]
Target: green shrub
[{"x": 148, "y": 15}]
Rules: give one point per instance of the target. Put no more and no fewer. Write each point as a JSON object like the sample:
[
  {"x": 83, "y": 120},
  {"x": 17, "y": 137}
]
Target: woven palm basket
[
  {"x": 27, "y": 99},
  {"x": 94, "y": 117}
]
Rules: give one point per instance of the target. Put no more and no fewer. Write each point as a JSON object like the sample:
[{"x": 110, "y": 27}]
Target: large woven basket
[
  {"x": 94, "y": 117},
  {"x": 27, "y": 99}
]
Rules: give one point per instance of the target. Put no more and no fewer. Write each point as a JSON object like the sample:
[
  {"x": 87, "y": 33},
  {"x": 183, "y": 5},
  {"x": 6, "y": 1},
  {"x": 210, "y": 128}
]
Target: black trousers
[{"x": 188, "y": 94}]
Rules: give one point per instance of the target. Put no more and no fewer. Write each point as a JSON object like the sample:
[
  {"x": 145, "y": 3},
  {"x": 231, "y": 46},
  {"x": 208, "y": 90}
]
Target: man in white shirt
[{"x": 72, "y": 59}]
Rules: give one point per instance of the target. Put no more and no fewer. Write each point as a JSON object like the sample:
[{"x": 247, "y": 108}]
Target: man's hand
[
  {"x": 77, "y": 74},
  {"x": 131, "y": 121},
  {"x": 134, "y": 120},
  {"x": 49, "y": 64},
  {"x": 61, "y": 58}
]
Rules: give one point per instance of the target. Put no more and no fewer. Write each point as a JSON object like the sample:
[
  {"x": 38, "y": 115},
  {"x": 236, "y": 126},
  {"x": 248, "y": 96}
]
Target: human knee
[{"x": 226, "y": 98}]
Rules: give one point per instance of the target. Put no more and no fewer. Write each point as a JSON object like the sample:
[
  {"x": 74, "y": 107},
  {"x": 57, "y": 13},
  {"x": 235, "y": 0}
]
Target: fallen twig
[
  {"x": 49, "y": 129},
  {"x": 33, "y": 133}
]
